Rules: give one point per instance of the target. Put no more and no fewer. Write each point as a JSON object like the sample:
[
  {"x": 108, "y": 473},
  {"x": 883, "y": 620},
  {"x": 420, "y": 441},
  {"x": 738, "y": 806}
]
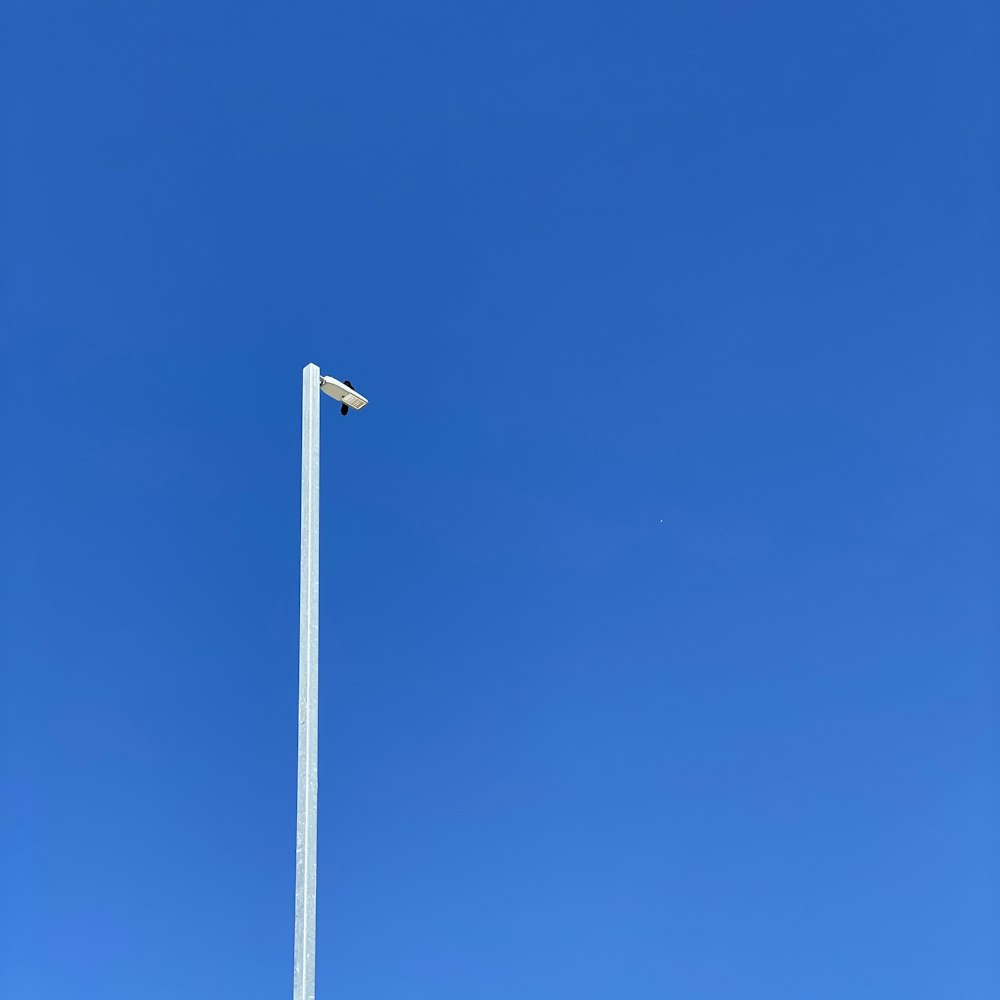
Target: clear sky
[{"x": 659, "y": 634}]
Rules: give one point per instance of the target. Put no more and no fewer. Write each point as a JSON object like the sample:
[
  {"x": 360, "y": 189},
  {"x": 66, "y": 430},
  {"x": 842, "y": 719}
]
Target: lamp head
[{"x": 343, "y": 392}]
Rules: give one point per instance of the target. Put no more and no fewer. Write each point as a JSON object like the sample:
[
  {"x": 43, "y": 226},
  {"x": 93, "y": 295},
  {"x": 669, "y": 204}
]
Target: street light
[{"x": 305, "y": 813}]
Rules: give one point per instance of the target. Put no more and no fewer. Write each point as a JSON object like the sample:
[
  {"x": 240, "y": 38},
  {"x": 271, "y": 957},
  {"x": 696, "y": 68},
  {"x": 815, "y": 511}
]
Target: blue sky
[{"x": 730, "y": 266}]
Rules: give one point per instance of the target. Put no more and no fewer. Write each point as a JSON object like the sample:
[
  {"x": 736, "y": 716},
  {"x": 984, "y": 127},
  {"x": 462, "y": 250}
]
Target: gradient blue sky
[{"x": 729, "y": 265}]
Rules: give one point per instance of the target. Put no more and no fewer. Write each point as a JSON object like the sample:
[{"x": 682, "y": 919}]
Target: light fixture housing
[{"x": 342, "y": 393}]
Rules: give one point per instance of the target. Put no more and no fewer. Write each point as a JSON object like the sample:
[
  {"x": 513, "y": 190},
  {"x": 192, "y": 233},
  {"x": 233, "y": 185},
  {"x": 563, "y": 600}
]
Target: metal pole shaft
[{"x": 305, "y": 819}]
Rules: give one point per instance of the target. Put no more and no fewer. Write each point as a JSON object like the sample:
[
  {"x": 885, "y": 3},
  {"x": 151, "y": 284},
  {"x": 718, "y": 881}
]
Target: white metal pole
[{"x": 305, "y": 818}]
